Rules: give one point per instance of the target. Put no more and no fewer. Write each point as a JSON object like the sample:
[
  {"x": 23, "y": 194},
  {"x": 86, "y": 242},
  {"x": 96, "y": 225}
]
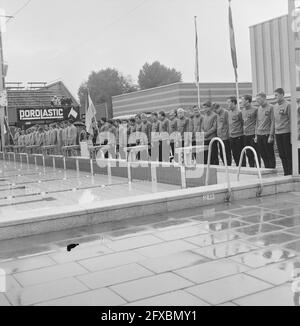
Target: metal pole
[
  {"x": 129, "y": 173},
  {"x": 77, "y": 167},
  {"x": 92, "y": 171},
  {"x": 197, "y": 64},
  {"x": 2, "y": 88},
  {"x": 183, "y": 177},
  {"x": 106, "y": 109},
  {"x": 199, "y": 97},
  {"x": 153, "y": 177},
  {"x": 92, "y": 167},
  {"x": 237, "y": 92},
  {"x": 294, "y": 47}
]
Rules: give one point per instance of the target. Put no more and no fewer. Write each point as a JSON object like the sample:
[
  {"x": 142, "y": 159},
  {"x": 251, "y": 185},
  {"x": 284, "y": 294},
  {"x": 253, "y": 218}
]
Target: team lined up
[
  {"x": 258, "y": 127},
  {"x": 56, "y": 135}
]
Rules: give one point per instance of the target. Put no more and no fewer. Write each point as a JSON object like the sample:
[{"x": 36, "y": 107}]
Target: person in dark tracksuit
[
  {"x": 223, "y": 131},
  {"x": 155, "y": 137},
  {"x": 265, "y": 129},
  {"x": 236, "y": 130},
  {"x": 172, "y": 131},
  {"x": 197, "y": 130},
  {"x": 197, "y": 124},
  {"x": 146, "y": 130},
  {"x": 249, "y": 114},
  {"x": 182, "y": 139},
  {"x": 282, "y": 118},
  {"x": 210, "y": 132},
  {"x": 164, "y": 147},
  {"x": 183, "y": 126}
]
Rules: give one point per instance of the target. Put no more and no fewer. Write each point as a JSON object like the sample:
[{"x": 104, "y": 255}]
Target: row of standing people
[
  {"x": 56, "y": 135},
  {"x": 258, "y": 127}
]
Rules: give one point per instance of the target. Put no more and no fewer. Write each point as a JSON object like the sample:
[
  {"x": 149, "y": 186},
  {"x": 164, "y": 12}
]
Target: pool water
[{"x": 244, "y": 253}]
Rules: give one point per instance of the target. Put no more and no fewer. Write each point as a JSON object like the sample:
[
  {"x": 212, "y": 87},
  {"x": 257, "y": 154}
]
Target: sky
[{"x": 68, "y": 39}]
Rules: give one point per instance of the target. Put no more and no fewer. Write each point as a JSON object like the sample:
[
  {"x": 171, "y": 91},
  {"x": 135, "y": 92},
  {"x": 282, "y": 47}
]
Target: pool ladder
[
  {"x": 229, "y": 193},
  {"x": 260, "y": 187},
  {"x": 228, "y": 196}
]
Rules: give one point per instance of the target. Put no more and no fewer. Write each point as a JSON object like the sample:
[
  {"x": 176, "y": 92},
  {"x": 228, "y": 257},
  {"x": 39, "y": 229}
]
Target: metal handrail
[
  {"x": 257, "y": 166},
  {"x": 228, "y": 197}
]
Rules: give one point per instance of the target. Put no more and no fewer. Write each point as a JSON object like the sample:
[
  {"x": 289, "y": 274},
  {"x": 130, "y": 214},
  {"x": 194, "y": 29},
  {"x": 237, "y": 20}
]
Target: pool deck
[
  {"x": 144, "y": 243},
  {"x": 36, "y": 200},
  {"x": 230, "y": 254}
]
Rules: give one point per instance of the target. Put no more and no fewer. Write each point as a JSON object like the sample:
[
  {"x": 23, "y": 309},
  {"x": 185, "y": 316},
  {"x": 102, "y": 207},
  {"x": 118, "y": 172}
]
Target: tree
[
  {"x": 156, "y": 74},
  {"x": 103, "y": 85}
]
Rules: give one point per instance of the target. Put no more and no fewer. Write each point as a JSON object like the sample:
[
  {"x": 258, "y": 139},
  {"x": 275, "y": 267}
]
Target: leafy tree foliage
[
  {"x": 103, "y": 85},
  {"x": 156, "y": 74}
]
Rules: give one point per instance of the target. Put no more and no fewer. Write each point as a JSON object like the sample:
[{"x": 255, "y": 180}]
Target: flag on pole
[
  {"x": 232, "y": 43},
  {"x": 197, "y": 79},
  {"x": 86, "y": 102},
  {"x": 90, "y": 116},
  {"x": 4, "y": 128},
  {"x": 73, "y": 114}
]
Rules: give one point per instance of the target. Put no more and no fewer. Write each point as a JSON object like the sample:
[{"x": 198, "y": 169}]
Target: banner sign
[{"x": 53, "y": 113}]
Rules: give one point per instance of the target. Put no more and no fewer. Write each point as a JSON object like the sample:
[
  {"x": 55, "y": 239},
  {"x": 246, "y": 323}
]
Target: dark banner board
[{"x": 43, "y": 114}]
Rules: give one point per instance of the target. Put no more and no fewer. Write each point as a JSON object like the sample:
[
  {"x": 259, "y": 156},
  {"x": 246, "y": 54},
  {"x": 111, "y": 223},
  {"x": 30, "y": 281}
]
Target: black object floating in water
[{"x": 72, "y": 246}]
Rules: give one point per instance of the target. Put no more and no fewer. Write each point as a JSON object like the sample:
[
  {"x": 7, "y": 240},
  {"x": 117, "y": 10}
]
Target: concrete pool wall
[{"x": 168, "y": 175}]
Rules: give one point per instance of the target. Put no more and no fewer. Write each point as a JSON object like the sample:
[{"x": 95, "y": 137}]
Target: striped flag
[
  {"x": 7, "y": 131},
  {"x": 90, "y": 116},
  {"x": 197, "y": 79},
  {"x": 6, "y": 125},
  {"x": 232, "y": 43},
  {"x": 86, "y": 102}
]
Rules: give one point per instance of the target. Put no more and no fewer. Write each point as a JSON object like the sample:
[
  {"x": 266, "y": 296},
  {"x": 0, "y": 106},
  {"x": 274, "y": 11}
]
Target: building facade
[
  {"x": 270, "y": 56},
  {"x": 275, "y": 56},
  {"x": 34, "y": 105},
  {"x": 173, "y": 96}
]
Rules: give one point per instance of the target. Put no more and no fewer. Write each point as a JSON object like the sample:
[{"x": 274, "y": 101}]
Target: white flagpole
[
  {"x": 197, "y": 64},
  {"x": 237, "y": 92},
  {"x": 106, "y": 110},
  {"x": 199, "y": 98},
  {"x": 2, "y": 89},
  {"x": 234, "y": 54}
]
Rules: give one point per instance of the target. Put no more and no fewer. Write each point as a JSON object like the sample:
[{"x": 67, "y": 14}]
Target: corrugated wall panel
[
  {"x": 298, "y": 67},
  {"x": 261, "y": 85},
  {"x": 270, "y": 55},
  {"x": 285, "y": 52},
  {"x": 277, "y": 54},
  {"x": 254, "y": 61},
  {"x": 184, "y": 95}
]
